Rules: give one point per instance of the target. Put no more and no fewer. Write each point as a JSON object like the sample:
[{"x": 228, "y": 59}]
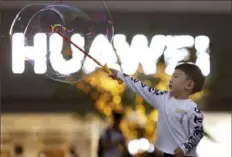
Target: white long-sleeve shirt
[{"x": 179, "y": 121}]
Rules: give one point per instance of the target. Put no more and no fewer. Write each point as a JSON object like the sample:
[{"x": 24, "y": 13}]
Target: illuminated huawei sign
[{"x": 140, "y": 51}]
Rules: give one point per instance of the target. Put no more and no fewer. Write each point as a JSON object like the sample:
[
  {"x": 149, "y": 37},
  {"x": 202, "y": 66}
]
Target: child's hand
[
  {"x": 112, "y": 73},
  {"x": 113, "y": 76},
  {"x": 178, "y": 152}
]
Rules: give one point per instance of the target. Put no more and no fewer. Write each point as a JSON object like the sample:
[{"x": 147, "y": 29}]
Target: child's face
[{"x": 180, "y": 82}]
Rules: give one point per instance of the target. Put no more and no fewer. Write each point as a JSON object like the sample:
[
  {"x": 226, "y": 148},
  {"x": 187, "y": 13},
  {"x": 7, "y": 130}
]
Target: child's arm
[
  {"x": 196, "y": 130},
  {"x": 153, "y": 96}
]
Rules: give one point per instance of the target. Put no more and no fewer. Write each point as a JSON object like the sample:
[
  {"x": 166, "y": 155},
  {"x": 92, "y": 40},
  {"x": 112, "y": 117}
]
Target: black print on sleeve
[
  {"x": 143, "y": 84},
  {"x": 198, "y": 130},
  {"x": 151, "y": 89},
  {"x": 134, "y": 80},
  {"x": 125, "y": 75},
  {"x": 191, "y": 143},
  {"x": 198, "y": 119},
  {"x": 159, "y": 92},
  {"x": 193, "y": 140},
  {"x": 197, "y": 110},
  {"x": 187, "y": 146}
]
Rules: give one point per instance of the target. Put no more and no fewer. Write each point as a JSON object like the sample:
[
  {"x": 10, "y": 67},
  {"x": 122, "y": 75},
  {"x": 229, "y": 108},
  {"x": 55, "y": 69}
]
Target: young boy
[{"x": 179, "y": 128}]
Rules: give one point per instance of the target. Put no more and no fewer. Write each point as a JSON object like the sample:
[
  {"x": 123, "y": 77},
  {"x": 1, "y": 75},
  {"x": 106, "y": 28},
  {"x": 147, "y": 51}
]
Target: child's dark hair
[{"x": 194, "y": 73}]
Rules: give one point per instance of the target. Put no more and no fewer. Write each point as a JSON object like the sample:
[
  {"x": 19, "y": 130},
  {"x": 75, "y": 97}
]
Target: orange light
[
  {"x": 117, "y": 99},
  {"x": 107, "y": 111}
]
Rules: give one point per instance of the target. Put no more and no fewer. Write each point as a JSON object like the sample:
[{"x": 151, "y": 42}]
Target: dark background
[{"x": 29, "y": 92}]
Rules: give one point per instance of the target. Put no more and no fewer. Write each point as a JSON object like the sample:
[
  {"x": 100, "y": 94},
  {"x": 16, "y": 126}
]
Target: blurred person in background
[
  {"x": 18, "y": 151},
  {"x": 73, "y": 152},
  {"x": 112, "y": 141}
]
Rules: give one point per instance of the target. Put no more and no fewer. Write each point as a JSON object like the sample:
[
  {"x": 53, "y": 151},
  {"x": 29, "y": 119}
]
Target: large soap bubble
[{"x": 37, "y": 24}]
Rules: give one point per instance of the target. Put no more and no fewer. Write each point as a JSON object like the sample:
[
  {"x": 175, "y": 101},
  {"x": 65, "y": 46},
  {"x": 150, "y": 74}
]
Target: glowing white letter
[
  {"x": 203, "y": 58},
  {"x": 57, "y": 60},
  {"x": 102, "y": 50},
  {"x": 176, "y": 51},
  {"x": 20, "y": 52}
]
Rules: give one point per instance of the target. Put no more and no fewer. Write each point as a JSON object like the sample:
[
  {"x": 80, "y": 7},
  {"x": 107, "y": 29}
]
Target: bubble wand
[{"x": 105, "y": 68}]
